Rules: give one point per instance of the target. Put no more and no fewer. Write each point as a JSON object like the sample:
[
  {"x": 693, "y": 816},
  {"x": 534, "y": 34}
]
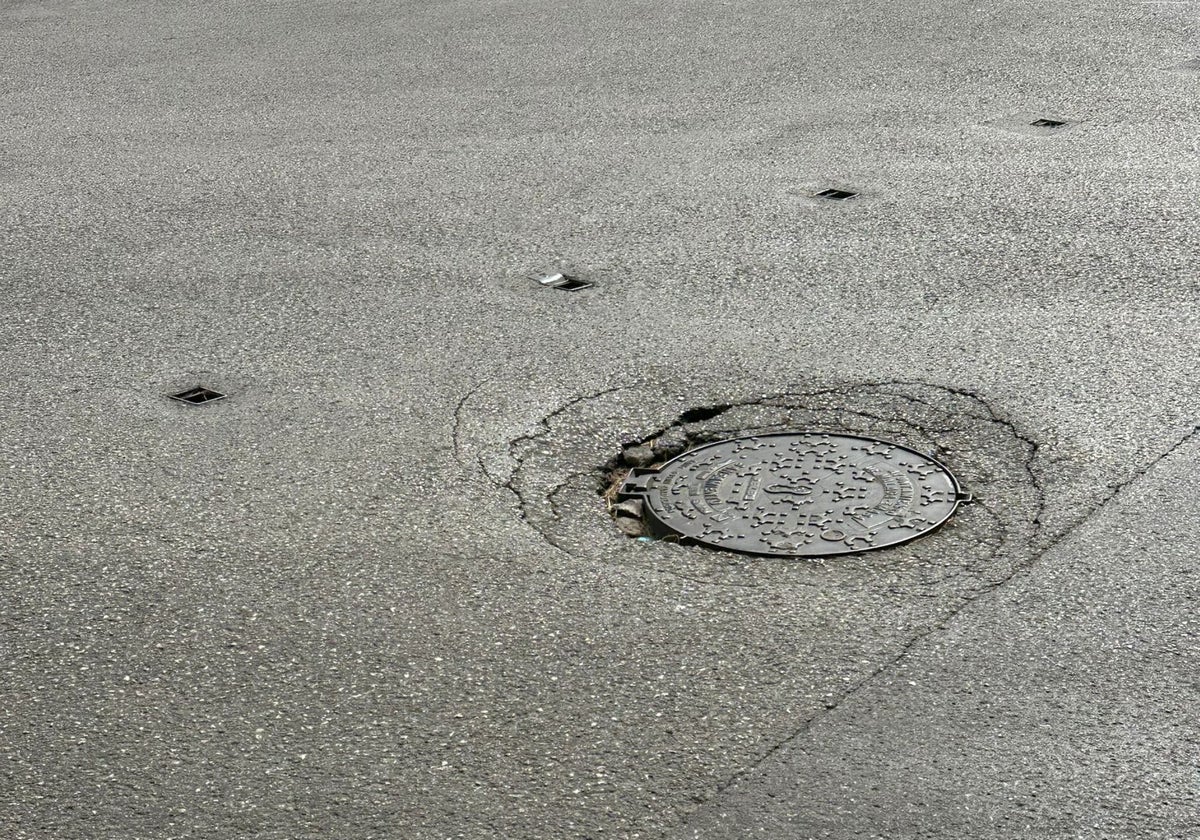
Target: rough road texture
[
  {"x": 1088, "y": 737},
  {"x": 376, "y": 593}
]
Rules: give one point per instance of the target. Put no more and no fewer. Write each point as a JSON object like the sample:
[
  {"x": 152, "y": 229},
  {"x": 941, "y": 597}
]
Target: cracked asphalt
[{"x": 376, "y": 592}]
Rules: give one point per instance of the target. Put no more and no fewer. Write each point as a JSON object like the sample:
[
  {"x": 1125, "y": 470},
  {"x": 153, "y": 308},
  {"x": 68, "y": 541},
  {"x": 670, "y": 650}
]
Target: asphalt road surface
[{"x": 375, "y": 591}]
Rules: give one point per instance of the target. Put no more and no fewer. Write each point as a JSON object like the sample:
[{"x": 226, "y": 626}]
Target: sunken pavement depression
[
  {"x": 749, "y": 479},
  {"x": 537, "y": 420}
]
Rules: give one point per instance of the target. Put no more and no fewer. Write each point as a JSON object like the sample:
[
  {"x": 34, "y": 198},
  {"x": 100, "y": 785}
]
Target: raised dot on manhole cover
[
  {"x": 804, "y": 494},
  {"x": 197, "y": 396}
]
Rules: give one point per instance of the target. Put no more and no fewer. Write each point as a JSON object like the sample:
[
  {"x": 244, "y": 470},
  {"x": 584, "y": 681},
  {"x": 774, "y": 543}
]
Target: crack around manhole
[
  {"x": 652, "y": 451},
  {"x": 565, "y": 502}
]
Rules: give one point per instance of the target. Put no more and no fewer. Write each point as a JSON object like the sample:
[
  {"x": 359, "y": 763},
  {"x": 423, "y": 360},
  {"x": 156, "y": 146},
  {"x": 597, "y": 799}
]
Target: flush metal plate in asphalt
[{"x": 797, "y": 494}]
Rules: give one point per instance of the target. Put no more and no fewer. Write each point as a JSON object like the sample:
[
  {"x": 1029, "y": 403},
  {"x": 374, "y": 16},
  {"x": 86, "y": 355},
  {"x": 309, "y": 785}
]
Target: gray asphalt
[
  {"x": 374, "y": 593},
  {"x": 1062, "y": 706}
]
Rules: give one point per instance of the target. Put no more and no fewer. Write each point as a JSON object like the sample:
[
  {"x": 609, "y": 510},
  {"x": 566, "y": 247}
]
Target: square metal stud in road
[
  {"x": 197, "y": 396},
  {"x": 834, "y": 194},
  {"x": 564, "y": 282}
]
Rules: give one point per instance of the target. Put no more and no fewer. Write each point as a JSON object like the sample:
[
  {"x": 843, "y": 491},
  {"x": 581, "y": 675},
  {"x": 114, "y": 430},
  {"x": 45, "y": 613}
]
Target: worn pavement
[{"x": 374, "y": 592}]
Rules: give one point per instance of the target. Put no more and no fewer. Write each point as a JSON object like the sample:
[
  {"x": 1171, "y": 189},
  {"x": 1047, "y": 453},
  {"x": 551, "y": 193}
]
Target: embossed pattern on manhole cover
[{"x": 804, "y": 494}]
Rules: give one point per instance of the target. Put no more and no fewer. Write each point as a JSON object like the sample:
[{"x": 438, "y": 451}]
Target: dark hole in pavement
[
  {"x": 564, "y": 282},
  {"x": 781, "y": 494},
  {"x": 699, "y": 415},
  {"x": 197, "y": 396},
  {"x": 1042, "y": 122},
  {"x": 835, "y": 194}
]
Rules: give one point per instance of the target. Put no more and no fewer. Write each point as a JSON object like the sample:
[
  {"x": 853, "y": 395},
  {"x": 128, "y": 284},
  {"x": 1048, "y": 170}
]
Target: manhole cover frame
[{"x": 645, "y": 484}]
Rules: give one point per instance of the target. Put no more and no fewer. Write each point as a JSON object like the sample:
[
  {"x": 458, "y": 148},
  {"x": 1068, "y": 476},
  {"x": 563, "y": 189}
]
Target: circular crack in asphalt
[{"x": 575, "y": 507}]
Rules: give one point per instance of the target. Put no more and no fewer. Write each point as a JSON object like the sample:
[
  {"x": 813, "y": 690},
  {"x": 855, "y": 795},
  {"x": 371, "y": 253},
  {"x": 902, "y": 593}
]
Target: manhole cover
[{"x": 806, "y": 494}]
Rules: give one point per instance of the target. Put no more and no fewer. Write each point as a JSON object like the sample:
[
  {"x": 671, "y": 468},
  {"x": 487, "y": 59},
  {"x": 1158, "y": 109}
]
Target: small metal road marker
[
  {"x": 835, "y": 194},
  {"x": 564, "y": 282},
  {"x": 197, "y": 396}
]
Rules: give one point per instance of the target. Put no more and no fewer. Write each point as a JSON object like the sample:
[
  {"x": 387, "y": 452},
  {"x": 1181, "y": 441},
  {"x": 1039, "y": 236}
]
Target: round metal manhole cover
[{"x": 806, "y": 494}]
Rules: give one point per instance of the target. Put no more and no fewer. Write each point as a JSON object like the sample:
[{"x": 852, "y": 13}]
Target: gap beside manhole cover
[{"x": 805, "y": 494}]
